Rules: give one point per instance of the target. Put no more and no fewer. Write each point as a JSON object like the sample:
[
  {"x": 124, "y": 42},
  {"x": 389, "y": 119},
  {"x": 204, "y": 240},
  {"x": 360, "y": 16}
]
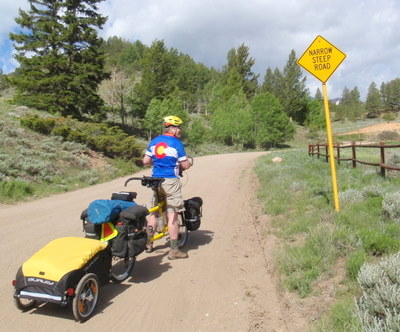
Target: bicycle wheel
[
  {"x": 121, "y": 268},
  {"x": 24, "y": 304},
  {"x": 86, "y": 295},
  {"x": 183, "y": 231}
]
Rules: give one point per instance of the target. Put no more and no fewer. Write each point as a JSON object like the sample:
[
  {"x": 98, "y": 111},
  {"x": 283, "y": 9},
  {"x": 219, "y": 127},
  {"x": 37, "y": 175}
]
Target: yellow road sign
[{"x": 321, "y": 59}]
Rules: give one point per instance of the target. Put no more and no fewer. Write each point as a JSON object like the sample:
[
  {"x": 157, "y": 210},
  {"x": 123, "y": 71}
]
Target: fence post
[
  {"x": 338, "y": 154},
  {"x": 353, "y": 153},
  {"x": 383, "y": 170},
  {"x": 318, "y": 150},
  {"x": 326, "y": 153}
]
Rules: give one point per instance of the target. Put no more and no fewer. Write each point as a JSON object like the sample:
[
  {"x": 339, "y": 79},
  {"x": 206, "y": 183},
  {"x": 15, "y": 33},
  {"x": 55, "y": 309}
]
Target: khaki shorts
[{"x": 171, "y": 188}]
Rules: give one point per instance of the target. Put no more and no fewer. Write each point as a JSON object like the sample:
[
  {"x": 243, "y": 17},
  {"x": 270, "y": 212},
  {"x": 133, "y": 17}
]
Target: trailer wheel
[{"x": 86, "y": 295}]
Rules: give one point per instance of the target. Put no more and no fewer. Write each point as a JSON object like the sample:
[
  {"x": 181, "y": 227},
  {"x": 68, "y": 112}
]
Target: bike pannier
[
  {"x": 128, "y": 241},
  {"x": 119, "y": 244},
  {"x": 135, "y": 216},
  {"x": 136, "y": 241},
  {"x": 192, "y": 213}
]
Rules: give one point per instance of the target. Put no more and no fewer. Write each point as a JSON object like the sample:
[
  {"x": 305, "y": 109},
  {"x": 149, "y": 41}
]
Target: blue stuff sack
[{"x": 105, "y": 210}]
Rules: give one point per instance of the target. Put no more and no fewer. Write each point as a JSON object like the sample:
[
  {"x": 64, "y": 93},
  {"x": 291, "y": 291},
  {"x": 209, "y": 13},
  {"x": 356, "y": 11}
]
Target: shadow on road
[
  {"x": 199, "y": 238},
  {"x": 149, "y": 267}
]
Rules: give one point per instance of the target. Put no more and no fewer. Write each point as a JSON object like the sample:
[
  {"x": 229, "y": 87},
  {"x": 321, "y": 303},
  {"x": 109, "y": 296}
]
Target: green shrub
[
  {"x": 63, "y": 131},
  {"x": 379, "y": 306},
  {"x": 377, "y": 242},
  {"x": 38, "y": 124},
  {"x": 389, "y": 116},
  {"x": 354, "y": 263},
  {"x": 391, "y": 205},
  {"x": 388, "y": 136},
  {"x": 110, "y": 140},
  {"x": 15, "y": 189}
]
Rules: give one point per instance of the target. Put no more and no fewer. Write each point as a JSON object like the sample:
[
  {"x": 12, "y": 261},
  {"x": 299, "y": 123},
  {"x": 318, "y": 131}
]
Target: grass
[{"x": 297, "y": 194}]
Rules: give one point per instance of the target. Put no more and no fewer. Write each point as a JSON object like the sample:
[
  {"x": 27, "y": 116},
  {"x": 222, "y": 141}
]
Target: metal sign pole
[{"x": 330, "y": 147}]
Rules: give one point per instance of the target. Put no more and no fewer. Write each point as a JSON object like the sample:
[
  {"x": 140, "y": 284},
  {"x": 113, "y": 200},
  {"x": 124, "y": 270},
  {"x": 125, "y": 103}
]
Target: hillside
[{"x": 34, "y": 165}]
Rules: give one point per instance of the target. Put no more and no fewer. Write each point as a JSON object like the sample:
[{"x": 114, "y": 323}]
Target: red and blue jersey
[{"x": 166, "y": 151}]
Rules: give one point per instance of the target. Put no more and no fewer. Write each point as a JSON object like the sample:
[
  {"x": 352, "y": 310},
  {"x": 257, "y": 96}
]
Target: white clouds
[{"x": 366, "y": 30}]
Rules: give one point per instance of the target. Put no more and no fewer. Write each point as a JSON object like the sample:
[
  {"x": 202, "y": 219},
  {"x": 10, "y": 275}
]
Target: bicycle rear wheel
[
  {"x": 183, "y": 231},
  {"x": 121, "y": 268}
]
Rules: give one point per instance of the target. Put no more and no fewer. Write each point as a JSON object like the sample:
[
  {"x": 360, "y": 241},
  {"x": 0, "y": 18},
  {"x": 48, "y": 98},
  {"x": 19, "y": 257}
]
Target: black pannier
[
  {"x": 131, "y": 237},
  {"x": 192, "y": 213},
  {"x": 134, "y": 215},
  {"x": 128, "y": 241},
  {"x": 128, "y": 196}
]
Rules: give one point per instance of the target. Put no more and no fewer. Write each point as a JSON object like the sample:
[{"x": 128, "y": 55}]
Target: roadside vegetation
[
  {"x": 34, "y": 165},
  {"x": 320, "y": 244}
]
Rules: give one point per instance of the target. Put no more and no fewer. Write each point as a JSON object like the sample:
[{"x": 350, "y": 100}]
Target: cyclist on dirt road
[{"x": 166, "y": 153}]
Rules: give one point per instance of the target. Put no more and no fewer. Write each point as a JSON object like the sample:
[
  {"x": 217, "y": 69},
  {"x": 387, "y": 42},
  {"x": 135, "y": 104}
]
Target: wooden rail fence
[{"x": 321, "y": 150}]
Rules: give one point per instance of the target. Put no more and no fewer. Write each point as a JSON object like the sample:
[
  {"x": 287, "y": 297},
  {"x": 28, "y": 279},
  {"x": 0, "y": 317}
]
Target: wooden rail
[{"x": 315, "y": 149}]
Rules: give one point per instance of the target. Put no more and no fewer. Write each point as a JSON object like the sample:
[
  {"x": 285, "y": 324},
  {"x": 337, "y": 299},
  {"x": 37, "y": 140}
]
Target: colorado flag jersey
[{"x": 166, "y": 152}]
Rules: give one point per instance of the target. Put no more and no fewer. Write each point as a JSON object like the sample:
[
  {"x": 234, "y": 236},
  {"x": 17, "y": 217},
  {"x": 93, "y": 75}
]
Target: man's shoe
[{"x": 176, "y": 254}]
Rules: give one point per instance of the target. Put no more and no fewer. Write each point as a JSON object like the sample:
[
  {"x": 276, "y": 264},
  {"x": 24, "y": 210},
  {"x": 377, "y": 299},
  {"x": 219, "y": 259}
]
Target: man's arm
[
  {"x": 147, "y": 160},
  {"x": 185, "y": 164}
]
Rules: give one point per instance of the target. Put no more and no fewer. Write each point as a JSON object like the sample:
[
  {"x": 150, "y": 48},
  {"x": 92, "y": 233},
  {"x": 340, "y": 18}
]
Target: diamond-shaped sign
[{"x": 321, "y": 59}]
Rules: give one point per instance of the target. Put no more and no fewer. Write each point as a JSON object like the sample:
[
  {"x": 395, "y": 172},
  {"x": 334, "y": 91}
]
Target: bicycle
[{"x": 160, "y": 209}]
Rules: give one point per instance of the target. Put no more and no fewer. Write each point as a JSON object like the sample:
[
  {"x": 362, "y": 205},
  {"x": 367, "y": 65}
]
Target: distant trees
[
  {"x": 289, "y": 86},
  {"x": 60, "y": 57},
  {"x": 350, "y": 106},
  {"x": 390, "y": 93},
  {"x": 240, "y": 63},
  {"x": 373, "y": 103},
  {"x": 115, "y": 92},
  {"x": 3, "y": 81},
  {"x": 271, "y": 126}
]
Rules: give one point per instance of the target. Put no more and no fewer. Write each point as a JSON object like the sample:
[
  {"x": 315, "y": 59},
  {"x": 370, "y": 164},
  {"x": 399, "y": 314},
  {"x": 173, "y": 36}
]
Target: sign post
[{"x": 321, "y": 59}]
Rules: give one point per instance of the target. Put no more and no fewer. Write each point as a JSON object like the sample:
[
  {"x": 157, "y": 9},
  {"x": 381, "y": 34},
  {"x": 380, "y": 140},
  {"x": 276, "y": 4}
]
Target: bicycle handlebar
[{"x": 147, "y": 181}]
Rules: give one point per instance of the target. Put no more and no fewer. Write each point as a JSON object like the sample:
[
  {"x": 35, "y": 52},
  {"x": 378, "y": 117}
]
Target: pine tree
[
  {"x": 318, "y": 95},
  {"x": 240, "y": 61},
  {"x": 60, "y": 57},
  {"x": 293, "y": 95},
  {"x": 273, "y": 82},
  {"x": 373, "y": 103},
  {"x": 289, "y": 87},
  {"x": 158, "y": 76},
  {"x": 350, "y": 106}
]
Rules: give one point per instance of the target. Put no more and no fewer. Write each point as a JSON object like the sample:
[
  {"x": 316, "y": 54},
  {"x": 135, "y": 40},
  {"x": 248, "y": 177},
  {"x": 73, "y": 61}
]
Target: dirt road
[{"x": 225, "y": 285}]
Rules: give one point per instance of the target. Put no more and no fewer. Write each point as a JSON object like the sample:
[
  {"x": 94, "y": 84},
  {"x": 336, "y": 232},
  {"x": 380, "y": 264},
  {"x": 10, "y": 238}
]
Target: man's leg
[
  {"x": 173, "y": 230},
  {"x": 151, "y": 227}
]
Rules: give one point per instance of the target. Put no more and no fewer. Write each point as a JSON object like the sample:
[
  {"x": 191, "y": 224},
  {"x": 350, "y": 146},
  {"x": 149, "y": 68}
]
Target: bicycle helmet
[{"x": 172, "y": 121}]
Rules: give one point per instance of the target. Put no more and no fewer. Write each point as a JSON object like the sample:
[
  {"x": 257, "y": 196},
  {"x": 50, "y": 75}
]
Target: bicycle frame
[{"x": 160, "y": 209}]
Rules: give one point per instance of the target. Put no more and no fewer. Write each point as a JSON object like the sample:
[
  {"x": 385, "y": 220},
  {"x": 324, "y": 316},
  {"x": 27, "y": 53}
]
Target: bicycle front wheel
[{"x": 183, "y": 231}]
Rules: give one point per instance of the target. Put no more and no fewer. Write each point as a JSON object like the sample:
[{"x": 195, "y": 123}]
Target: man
[{"x": 166, "y": 153}]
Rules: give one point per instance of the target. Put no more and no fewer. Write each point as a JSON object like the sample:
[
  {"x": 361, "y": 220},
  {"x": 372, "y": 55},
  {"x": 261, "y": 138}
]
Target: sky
[{"x": 367, "y": 31}]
